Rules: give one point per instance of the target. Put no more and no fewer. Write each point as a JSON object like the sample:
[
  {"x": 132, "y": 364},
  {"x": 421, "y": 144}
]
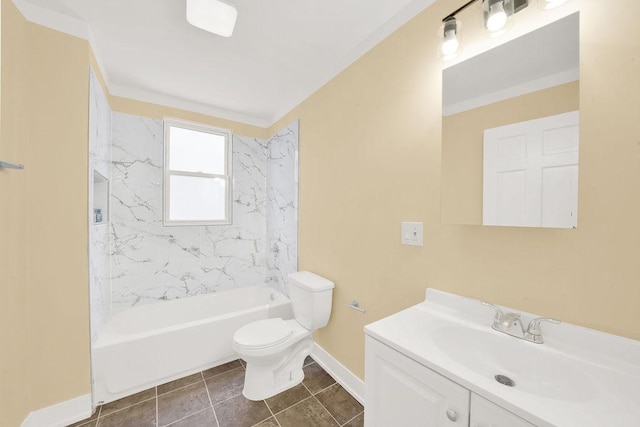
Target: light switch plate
[{"x": 412, "y": 233}]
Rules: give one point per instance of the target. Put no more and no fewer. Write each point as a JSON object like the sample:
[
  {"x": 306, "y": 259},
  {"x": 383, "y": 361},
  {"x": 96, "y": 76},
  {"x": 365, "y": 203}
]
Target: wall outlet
[{"x": 412, "y": 233}]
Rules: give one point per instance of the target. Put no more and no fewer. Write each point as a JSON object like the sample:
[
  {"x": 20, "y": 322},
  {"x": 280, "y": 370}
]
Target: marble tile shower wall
[
  {"x": 99, "y": 248},
  {"x": 150, "y": 262},
  {"x": 282, "y": 206}
]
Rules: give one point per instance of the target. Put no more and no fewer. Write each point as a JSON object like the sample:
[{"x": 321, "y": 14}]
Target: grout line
[
  {"x": 320, "y": 391},
  {"x": 126, "y": 407},
  {"x": 272, "y": 414},
  {"x": 305, "y": 386},
  {"x": 210, "y": 401},
  {"x": 253, "y": 425},
  {"x": 229, "y": 398},
  {"x": 179, "y": 388},
  {"x": 325, "y": 408},
  {"x": 221, "y": 373},
  {"x": 328, "y": 412},
  {"x": 295, "y": 404},
  {"x": 157, "y": 420},
  {"x": 348, "y": 421},
  {"x": 190, "y": 415}
]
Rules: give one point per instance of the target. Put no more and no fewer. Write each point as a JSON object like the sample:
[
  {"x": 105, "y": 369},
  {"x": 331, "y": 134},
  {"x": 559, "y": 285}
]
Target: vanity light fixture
[
  {"x": 450, "y": 42},
  {"x": 496, "y": 14},
  {"x": 214, "y": 16},
  {"x": 550, "y": 4}
]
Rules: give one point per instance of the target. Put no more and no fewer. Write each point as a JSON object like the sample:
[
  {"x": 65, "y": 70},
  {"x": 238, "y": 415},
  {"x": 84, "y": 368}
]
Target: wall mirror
[{"x": 510, "y": 132}]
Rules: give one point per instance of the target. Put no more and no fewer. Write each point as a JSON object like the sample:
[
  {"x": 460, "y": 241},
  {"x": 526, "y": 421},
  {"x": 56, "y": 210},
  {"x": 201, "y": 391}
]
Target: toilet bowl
[{"x": 275, "y": 349}]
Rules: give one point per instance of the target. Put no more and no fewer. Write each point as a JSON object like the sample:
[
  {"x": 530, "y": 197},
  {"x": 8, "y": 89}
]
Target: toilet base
[{"x": 264, "y": 381}]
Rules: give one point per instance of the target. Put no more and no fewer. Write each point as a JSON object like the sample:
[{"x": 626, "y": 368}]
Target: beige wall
[
  {"x": 44, "y": 116},
  {"x": 462, "y": 145},
  {"x": 370, "y": 158},
  {"x": 57, "y": 219},
  {"x": 14, "y": 365}
]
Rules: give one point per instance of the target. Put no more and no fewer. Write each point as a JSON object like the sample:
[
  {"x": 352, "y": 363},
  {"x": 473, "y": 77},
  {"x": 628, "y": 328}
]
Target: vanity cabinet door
[
  {"x": 401, "y": 392},
  {"x": 487, "y": 414}
]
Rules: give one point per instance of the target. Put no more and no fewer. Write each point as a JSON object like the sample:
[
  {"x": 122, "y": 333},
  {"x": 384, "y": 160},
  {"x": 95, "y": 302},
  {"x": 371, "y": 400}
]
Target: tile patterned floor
[{"x": 213, "y": 398}]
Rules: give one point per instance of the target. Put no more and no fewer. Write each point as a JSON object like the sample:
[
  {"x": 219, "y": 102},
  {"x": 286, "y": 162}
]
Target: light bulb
[
  {"x": 450, "y": 44},
  {"x": 550, "y": 4},
  {"x": 497, "y": 17}
]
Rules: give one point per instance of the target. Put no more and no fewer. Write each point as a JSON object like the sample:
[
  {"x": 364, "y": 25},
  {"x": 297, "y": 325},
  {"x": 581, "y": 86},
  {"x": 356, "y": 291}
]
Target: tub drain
[{"x": 504, "y": 380}]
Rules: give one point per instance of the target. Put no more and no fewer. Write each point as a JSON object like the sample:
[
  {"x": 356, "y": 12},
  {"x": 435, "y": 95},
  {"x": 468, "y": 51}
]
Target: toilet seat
[
  {"x": 262, "y": 334},
  {"x": 255, "y": 341}
]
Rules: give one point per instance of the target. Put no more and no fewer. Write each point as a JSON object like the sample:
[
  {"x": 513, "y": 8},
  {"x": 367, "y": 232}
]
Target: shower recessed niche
[{"x": 100, "y": 199}]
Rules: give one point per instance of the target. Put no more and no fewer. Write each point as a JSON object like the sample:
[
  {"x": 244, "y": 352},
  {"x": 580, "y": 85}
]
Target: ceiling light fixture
[
  {"x": 550, "y": 4},
  {"x": 214, "y": 16}
]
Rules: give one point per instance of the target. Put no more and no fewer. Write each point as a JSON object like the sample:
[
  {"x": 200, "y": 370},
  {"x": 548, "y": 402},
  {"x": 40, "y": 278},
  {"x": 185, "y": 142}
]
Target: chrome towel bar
[
  {"x": 8, "y": 165},
  {"x": 356, "y": 306}
]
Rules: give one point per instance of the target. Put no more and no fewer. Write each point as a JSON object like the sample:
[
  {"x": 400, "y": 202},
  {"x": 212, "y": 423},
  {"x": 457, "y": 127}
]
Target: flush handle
[{"x": 452, "y": 415}]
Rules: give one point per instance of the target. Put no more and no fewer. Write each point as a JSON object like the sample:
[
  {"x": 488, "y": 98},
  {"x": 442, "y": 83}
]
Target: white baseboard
[
  {"x": 61, "y": 414},
  {"x": 347, "y": 379}
]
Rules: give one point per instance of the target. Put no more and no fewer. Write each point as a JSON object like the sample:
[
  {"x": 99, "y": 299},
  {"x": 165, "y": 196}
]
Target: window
[{"x": 197, "y": 184}]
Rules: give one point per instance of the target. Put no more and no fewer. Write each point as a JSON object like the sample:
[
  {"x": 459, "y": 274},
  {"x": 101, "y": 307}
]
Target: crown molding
[
  {"x": 53, "y": 20},
  {"x": 185, "y": 104}
]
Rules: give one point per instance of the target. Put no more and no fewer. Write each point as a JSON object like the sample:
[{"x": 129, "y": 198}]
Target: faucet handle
[
  {"x": 499, "y": 312},
  {"x": 534, "y": 331}
]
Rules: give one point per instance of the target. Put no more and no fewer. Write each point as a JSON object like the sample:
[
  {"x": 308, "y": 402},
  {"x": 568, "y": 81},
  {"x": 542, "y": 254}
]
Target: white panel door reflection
[{"x": 531, "y": 173}]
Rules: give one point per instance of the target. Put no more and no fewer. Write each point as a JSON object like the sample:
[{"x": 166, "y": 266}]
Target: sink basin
[
  {"x": 578, "y": 378},
  {"x": 534, "y": 368}
]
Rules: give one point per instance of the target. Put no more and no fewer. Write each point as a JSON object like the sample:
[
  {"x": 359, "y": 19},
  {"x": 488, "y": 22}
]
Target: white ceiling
[{"x": 280, "y": 53}]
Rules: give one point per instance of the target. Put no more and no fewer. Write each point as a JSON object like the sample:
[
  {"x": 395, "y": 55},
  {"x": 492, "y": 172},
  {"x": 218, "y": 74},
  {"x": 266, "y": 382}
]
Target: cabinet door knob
[{"x": 452, "y": 415}]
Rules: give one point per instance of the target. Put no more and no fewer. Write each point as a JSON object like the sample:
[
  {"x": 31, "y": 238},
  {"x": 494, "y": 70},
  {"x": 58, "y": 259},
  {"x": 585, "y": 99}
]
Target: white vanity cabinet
[
  {"x": 488, "y": 414},
  {"x": 402, "y": 392}
]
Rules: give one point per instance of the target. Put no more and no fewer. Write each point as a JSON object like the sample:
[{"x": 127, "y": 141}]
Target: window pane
[
  {"x": 194, "y": 151},
  {"x": 196, "y": 199}
]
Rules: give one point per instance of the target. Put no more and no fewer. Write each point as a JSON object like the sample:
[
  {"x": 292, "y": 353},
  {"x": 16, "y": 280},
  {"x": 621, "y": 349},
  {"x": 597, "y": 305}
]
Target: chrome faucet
[
  {"x": 505, "y": 322},
  {"x": 534, "y": 333}
]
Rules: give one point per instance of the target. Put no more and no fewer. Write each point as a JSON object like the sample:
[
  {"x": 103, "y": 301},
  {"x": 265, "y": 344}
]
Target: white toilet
[{"x": 275, "y": 349}]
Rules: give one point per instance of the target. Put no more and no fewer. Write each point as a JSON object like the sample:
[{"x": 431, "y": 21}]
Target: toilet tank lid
[{"x": 310, "y": 281}]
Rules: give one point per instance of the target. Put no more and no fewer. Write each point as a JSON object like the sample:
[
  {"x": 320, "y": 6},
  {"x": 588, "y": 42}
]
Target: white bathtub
[{"x": 145, "y": 346}]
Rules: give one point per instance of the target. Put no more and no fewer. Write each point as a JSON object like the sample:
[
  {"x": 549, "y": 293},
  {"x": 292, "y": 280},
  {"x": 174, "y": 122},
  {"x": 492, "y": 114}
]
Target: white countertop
[{"x": 578, "y": 377}]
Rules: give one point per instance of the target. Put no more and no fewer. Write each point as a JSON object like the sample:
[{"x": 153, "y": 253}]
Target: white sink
[
  {"x": 534, "y": 368},
  {"x": 578, "y": 377}
]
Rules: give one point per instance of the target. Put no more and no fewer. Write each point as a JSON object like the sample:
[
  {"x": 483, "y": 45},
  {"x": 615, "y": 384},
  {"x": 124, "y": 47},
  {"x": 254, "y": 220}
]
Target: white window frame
[{"x": 226, "y": 133}]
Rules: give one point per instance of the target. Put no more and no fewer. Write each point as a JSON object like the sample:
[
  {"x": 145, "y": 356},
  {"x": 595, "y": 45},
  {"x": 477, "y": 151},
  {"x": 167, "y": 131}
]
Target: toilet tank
[{"x": 311, "y": 299}]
